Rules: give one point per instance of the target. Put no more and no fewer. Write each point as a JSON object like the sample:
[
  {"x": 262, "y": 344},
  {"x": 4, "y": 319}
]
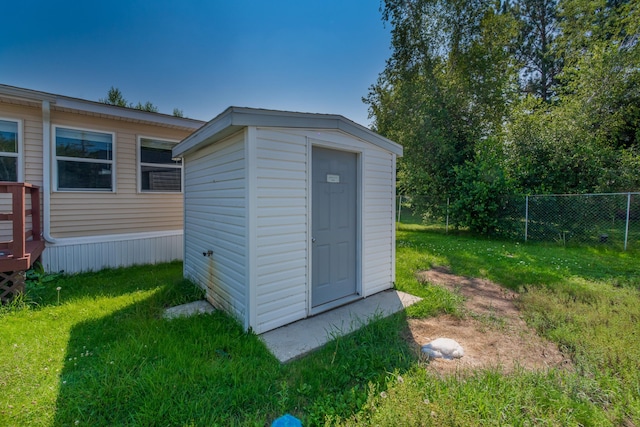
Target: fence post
[
  {"x": 626, "y": 230},
  {"x": 446, "y": 228},
  {"x": 526, "y": 217},
  {"x": 399, "y": 207}
]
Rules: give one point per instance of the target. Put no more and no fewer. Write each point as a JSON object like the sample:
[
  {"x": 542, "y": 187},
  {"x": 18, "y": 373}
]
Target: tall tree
[
  {"x": 601, "y": 45},
  {"x": 492, "y": 97},
  {"x": 536, "y": 48},
  {"x": 589, "y": 137},
  {"x": 114, "y": 97},
  {"x": 445, "y": 87}
]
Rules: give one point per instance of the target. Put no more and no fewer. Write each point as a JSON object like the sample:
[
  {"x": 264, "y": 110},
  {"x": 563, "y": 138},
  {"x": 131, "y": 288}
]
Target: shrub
[{"x": 484, "y": 195}]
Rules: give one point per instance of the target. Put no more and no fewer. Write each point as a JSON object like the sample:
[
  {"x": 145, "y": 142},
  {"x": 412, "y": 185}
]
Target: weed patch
[{"x": 419, "y": 398}]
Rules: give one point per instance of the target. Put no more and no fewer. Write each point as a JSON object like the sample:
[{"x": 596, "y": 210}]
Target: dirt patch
[{"x": 491, "y": 331}]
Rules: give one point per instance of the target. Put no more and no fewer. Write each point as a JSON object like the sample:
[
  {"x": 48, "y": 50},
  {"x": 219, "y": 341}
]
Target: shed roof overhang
[
  {"x": 98, "y": 109},
  {"x": 233, "y": 119}
]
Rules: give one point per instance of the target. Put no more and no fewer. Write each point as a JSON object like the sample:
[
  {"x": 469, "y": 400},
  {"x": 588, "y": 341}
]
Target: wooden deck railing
[{"x": 26, "y": 245}]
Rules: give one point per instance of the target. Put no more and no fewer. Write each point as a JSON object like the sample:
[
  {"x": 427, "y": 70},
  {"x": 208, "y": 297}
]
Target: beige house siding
[
  {"x": 87, "y": 213},
  {"x": 90, "y": 230},
  {"x": 30, "y": 119},
  {"x": 92, "y": 213}
]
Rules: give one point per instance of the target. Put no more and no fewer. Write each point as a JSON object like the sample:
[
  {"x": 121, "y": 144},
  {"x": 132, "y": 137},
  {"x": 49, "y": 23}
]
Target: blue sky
[{"x": 316, "y": 56}]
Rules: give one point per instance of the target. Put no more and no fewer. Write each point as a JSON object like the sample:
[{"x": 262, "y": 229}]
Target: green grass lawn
[
  {"x": 102, "y": 355},
  {"x": 98, "y": 352}
]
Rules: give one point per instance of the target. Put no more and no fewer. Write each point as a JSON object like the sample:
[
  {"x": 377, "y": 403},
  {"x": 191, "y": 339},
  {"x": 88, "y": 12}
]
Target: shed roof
[
  {"x": 234, "y": 119},
  {"x": 98, "y": 109}
]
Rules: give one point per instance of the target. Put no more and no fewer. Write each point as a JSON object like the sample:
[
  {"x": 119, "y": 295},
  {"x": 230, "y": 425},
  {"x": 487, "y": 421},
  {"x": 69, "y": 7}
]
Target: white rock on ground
[
  {"x": 445, "y": 348},
  {"x": 189, "y": 309}
]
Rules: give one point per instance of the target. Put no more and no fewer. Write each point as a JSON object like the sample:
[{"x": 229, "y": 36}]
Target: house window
[
  {"x": 9, "y": 150},
  {"x": 84, "y": 160},
  {"x": 159, "y": 172}
]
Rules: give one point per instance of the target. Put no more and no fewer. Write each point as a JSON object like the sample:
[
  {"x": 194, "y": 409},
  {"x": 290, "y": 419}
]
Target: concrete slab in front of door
[{"x": 299, "y": 338}]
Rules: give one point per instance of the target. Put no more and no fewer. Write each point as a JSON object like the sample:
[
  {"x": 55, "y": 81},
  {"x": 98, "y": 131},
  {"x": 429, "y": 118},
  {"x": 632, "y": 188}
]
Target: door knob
[{"x": 313, "y": 240}]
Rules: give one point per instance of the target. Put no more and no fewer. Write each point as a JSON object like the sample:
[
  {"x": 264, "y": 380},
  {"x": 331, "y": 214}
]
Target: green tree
[
  {"x": 147, "y": 106},
  {"x": 551, "y": 150},
  {"x": 535, "y": 46},
  {"x": 115, "y": 97},
  {"x": 445, "y": 88},
  {"x": 551, "y": 85},
  {"x": 602, "y": 72},
  {"x": 588, "y": 138},
  {"x": 484, "y": 196}
]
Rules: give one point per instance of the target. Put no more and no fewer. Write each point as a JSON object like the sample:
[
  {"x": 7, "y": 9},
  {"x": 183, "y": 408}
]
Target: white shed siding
[
  {"x": 378, "y": 221},
  {"x": 377, "y": 198},
  {"x": 215, "y": 219},
  {"x": 281, "y": 228},
  {"x": 247, "y": 199}
]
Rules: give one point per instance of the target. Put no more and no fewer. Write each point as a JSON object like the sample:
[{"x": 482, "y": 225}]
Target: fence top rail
[{"x": 586, "y": 194}]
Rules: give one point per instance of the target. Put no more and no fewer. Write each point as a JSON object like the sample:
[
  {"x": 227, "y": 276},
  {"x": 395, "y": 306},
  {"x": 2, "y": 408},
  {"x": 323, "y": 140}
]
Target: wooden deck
[{"x": 25, "y": 245}]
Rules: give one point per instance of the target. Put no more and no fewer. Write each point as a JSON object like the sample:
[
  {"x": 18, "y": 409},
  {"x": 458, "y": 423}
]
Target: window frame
[
  {"x": 20, "y": 148},
  {"x": 55, "y": 158},
  {"x": 140, "y": 164}
]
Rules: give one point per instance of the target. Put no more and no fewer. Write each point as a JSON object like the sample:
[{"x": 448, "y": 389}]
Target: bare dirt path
[{"x": 491, "y": 331}]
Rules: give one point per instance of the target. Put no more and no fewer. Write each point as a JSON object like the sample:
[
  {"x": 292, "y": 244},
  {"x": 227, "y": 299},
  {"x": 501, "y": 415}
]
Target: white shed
[{"x": 286, "y": 214}]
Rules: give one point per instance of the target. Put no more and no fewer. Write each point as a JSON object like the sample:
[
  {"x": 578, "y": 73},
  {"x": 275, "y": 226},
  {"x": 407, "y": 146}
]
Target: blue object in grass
[{"x": 286, "y": 421}]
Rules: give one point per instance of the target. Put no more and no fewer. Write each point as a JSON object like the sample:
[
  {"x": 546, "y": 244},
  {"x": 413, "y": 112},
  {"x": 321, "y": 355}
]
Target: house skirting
[{"x": 74, "y": 255}]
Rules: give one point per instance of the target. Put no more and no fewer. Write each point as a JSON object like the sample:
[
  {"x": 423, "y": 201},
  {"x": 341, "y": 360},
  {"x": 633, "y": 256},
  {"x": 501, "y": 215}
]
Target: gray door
[{"x": 334, "y": 225}]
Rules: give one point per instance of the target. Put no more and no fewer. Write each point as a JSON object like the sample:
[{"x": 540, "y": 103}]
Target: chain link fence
[
  {"x": 419, "y": 210},
  {"x": 611, "y": 219}
]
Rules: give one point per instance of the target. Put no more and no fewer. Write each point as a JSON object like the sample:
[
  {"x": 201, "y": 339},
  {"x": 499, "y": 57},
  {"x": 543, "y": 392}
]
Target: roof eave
[
  {"x": 26, "y": 94},
  {"x": 127, "y": 113},
  {"x": 234, "y": 118},
  {"x": 92, "y": 107}
]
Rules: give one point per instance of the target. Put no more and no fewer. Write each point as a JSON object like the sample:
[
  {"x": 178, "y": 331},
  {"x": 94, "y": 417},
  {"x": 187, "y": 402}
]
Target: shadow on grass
[
  {"x": 132, "y": 367},
  {"x": 336, "y": 380}
]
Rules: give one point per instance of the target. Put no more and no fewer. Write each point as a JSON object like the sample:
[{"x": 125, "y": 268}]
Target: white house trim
[
  {"x": 67, "y": 241},
  {"x": 139, "y": 165},
  {"x": 112, "y": 162},
  {"x": 93, "y": 253},
  {"x": 250, "y": 149},
  {"x": 19, "y": 155},
  {"x": 98, "y": 108}
]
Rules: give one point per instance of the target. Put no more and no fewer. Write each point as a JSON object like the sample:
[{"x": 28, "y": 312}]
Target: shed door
[{"x": 334, "y": 225}]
